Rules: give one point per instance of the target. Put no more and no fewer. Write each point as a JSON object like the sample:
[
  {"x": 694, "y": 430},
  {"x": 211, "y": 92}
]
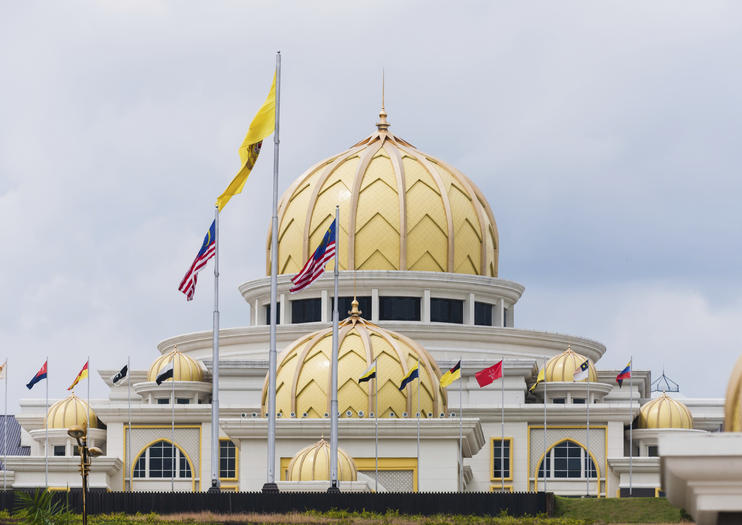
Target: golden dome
[
  {"x": 665, "y": 412},
  {"x": 70, "y": 411},
  {"x": 313, "y": 464},
  {"x": 185, "y": 368},
  {"x": 733, "y": 404},
  {"x": 562, "y": 367},
  {"x": 303, "y": 374},
  {"x": 400, "y": 209}
]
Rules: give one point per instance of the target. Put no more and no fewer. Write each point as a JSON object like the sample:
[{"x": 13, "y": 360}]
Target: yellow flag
[
  {"x": 82, "y": 375},
  {"x": 452, "y": 375},
  {"x": 539, "y": 378},
  {"x": 2, "y": 369},
  {"x": 261, "y": 126}
]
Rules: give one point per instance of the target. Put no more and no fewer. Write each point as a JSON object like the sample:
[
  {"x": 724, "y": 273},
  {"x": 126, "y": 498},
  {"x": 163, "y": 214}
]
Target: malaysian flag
[
  {"x": 207, "y": 251},
  {"x": 315, "y": 266}
]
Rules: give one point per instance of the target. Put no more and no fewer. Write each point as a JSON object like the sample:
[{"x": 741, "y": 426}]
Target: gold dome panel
[
  {"x": 70, "y": 411},
  {"x": 733, "y": 403},
  {"x": 562, "y": 367},
  {"x": 665, "y": 412},
  {"x": 185, "y": 368},
  {"x": 400, "y": 209},
  {"x": 313, "y": 464},
  {"x": 303, "y": 374}
]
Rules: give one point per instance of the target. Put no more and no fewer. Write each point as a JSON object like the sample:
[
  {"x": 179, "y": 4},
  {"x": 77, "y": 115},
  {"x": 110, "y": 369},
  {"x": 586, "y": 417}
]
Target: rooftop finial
[
  {"x": 382, "y": 125},
  {"x": 354, "y": 311}
]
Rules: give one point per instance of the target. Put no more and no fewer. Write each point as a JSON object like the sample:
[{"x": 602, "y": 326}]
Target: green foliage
[
  {"x": 39, "y": 508},
  {"x": 619, "y": 510}
]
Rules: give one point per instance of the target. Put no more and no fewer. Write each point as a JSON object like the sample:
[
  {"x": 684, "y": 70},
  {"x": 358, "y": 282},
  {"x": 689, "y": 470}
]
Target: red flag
[{"x": 486, "y": 376}]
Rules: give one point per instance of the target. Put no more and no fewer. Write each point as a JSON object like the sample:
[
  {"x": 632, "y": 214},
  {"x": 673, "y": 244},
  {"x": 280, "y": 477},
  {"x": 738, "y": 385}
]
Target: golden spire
[
  {"x": 355, "y": 313},
  {"x": 382, "y": 125}
]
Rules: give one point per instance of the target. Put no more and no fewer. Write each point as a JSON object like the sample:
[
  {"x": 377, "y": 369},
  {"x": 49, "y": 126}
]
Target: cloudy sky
[{"x": 605, "y": 135}]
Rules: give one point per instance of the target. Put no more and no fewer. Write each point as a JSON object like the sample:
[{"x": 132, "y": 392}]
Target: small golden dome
[
  {"x": 400, "y": 209},
  {"x": 303, "y": 374},
  {"x": 733, "y": 404},
  {"x": 185, "y": 368},
  {"x": 665, "y": 412},
  {"x": 562, "y": 367},
  {"x": 71, "y": 411},
  {"x": 313, "y": 464}
]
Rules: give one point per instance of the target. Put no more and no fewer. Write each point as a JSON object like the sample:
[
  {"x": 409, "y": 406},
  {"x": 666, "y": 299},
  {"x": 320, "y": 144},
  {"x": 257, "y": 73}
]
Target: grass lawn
[{"x": 569, "y": 511}]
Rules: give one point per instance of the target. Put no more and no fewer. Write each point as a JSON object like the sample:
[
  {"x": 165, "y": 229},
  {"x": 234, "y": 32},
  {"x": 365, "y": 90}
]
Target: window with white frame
[
  {"x": 158, "y": 461},
  {"x": 227, "y": 459},
  {"x": 567, "y": 460},
  {"x": 501, "y": 455}
]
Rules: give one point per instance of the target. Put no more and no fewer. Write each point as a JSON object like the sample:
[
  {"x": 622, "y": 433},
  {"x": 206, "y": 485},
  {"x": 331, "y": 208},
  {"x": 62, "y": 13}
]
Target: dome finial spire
[{"x": 382, "y": 124}]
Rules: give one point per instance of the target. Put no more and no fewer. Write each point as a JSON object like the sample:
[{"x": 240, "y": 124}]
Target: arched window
[
  {"x": 157, "y": 462},
  {"x": 567, "y": 459}
]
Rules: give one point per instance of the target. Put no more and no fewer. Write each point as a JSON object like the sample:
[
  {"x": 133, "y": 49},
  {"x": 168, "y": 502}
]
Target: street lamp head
[
  {"x": 76, "y": 431},
  {"x": 95, "y": 452}
]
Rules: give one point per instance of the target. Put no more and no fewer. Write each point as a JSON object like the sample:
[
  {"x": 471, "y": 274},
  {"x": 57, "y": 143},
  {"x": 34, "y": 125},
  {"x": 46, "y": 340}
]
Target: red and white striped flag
[
  {"x": 315, "y": 266},
  {"x": 207, "y": 251}
]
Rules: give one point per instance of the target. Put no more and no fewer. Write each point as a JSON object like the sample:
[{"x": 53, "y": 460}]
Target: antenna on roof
[{"x": 664, "y": 384}]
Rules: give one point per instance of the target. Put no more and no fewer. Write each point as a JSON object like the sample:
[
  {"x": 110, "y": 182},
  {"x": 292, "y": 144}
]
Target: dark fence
[{"x": 426, "y": 503}]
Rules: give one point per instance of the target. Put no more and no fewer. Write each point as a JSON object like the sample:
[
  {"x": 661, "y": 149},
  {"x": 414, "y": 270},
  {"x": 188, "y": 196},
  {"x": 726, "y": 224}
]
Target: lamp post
[{"x": 86, "y": 453}]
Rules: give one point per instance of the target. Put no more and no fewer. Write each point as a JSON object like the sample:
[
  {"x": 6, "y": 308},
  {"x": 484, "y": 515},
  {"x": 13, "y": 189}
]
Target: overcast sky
[{"x": 606, "y": 136}]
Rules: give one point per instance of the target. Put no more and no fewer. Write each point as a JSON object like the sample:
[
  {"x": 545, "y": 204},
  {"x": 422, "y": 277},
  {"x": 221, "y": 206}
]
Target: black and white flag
[
  {"x": 121, "y": 375},
  {"x": 166, "y": 373}
]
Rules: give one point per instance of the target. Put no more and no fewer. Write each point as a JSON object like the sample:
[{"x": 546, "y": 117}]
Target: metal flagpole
[
  {"x": 543, "y": 462},
  {"x": 502, "y": 421},
  {"x": 215, "y": 365},
  {"x": 172, "y": 430},
  {"x": 46, "y": 428},
  {"x": 376, "y": 422},
  {"x": 5, "y": 429},
  {"x": 270, "y": 485},
  {"x": 334, "y": 370},
  {"x": 587, "y": 440},
  {"x": 128, "y": 395},
  {"x": 87, "y": 429},
  {"x": 631, "y": 426},
  {"x": 418, "y": 425},
  {"x": 461, "y": 433}
]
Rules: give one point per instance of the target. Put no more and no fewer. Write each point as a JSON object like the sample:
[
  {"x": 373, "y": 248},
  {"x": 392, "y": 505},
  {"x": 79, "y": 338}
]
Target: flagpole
[
  {"x": 334, "y": 371},
  {"x": 172, "y": 429},
  {"x": 631, "y": 426},
  {"x": 87, "y": 429},
  {"x": 215, "y": 365},
  {"x": 128, "y": 392},
  {"x": 5, "y": 430},
  {"x": 461, "y": 434},
  {"x": 418, "y": 425},
  {"x": 587, "y": 441},
  {"x": 544, "y": 460},
  {"x": 270, "y": 485},
  {"x": 46, "y": 427},
  {"x": 376, "y": 423},
  {"x": 502, "y": 420}
]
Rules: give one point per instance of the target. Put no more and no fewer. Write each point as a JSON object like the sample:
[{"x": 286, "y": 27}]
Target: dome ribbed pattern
[
  {"x": 562, "y": 367},
  {"x": 313, "y": 464},
  {"x": 665, "y": 412},
  {"x": 185, "y": 368},
  {"x": 400, "y": 209},
  {"x": 70, "y": 411},
  {"x": 303, "y": 374}
]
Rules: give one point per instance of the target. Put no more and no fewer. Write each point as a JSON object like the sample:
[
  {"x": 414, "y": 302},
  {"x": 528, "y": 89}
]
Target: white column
[
  {"x": 256, "y": 313},
  {"x": 324, "y": 317},
  {"x": 282, "y": 301},
  {"x": 425, "y": 307},
  {"x": 469, "y": 310},
  {"x": 374, "y": 305},
  {"x": 500, "y": 313}
]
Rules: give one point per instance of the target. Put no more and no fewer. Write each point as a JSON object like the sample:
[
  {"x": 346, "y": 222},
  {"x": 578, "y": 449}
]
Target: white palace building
[{"x": 419, "y": 248}]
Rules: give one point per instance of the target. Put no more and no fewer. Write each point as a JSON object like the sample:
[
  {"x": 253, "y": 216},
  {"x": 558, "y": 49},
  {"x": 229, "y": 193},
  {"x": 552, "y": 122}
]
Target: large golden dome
[
  {"x": 562, "y": 367},
  {"x": 400, "y": 209},
  {"x": 303, "y": 374},
  {"x": 70, "y": 411},
  {"x": 185, "y": 368},
  {"x": 665, "y": 412},
  {"x": 313, "y": 464},
  {"x": 733, "y": 404}
]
